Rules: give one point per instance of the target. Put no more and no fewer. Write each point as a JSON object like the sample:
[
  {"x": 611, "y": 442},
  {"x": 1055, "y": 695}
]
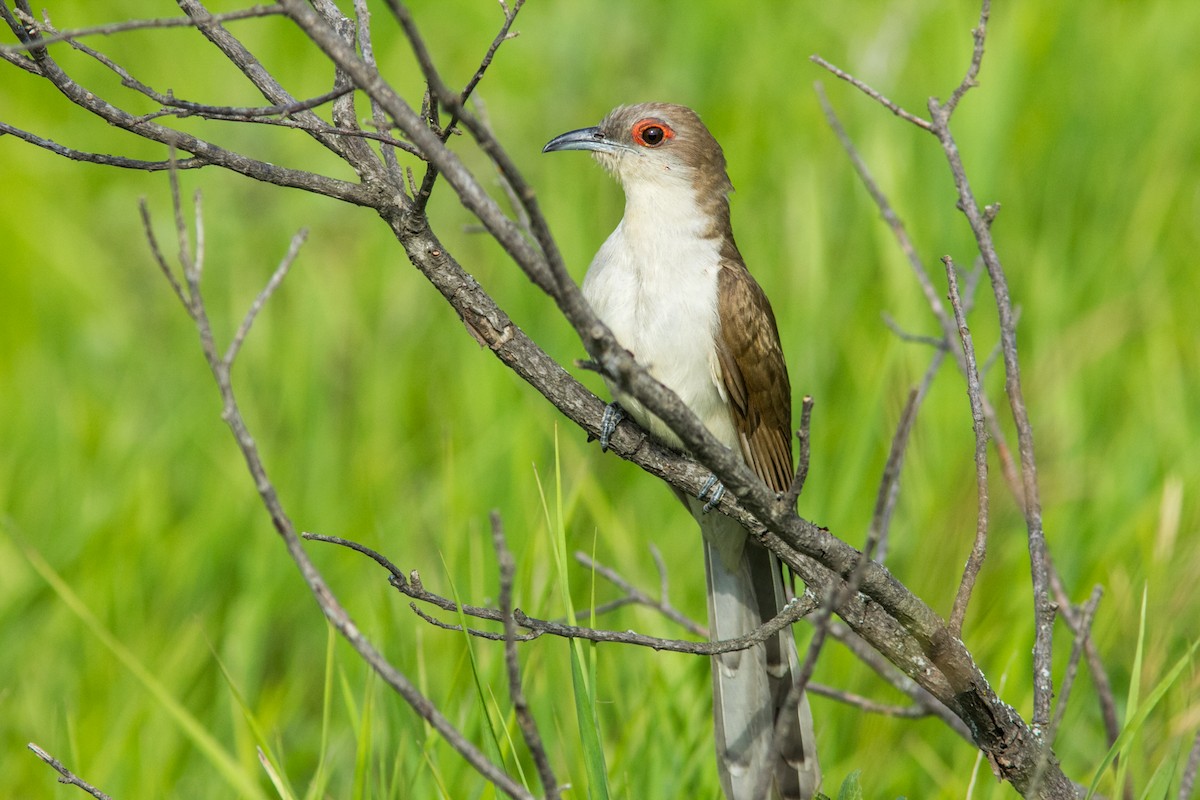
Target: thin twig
[
  {"x": 268, "y": 86},
  {"x": 366, "y": 46},
  {"x": 188, "y": 108},
  {"x": 893, "y": 677},
  {"x": 433, "y": 78},
  {"x": 1077, "y": 648},
  {"x": 111, "y": 28},
  {"x": 915, "y": 338},
  {"x": 975, "y": 396},
  {"x": 326, "y": 600},
  {"x": 978, "y": 219},
  {"x": 928, "y": 289},
  {"x": 414, "y": 590},
  {"x": 867, "y": 704},
  {"x": 636, "y": 596},
  {"x": 874, "y": 95},
  {"x": 889, "y": 483},
  {"x": 235, "y": 345},
  {"x": 804, "y": 438},
  {"x": 970, "y": 80},
  {"x": 65, "y": 775},
  {"x": 525, "y": 720}
]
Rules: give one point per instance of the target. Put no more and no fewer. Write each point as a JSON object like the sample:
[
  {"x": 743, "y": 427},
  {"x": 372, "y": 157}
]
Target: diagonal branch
[
  {"x": 412, "y": 587},
  {"x": 65, "y": 775},
  {"x": 221, "y": 367}
]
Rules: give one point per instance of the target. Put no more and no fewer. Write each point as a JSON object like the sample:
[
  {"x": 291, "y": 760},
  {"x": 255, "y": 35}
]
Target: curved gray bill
[{"x": 584, "y": 139}]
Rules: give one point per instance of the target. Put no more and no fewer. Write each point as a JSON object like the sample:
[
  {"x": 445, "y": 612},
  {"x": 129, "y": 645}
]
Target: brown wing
[{"x": 755, "y": 375}]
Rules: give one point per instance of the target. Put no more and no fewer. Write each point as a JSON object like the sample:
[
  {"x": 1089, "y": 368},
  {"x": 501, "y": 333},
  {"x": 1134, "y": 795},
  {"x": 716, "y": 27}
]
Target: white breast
[{"x": 654, "y": 283}]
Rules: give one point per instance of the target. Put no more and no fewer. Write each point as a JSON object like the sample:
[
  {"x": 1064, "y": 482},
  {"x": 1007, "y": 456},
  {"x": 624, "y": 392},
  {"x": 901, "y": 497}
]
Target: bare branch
[
  {"x": 525, "y": 720},
  {"x": 893, "y": 677},
  {"x": 111, "y": 28},
  {"x": 1044, "y": 608},
  {"x": 874, "y": 95},
  {"x": 636, "y": 596},
  {"x": 264, "y": 81},
  {"x": 65, "y": 775},
  {"x": 975, "y": 395},
  {"x": 99, "y": 158},
  {"x": 969, "y": 81},
  {"x": 932, "y": 296},
  {"x": 207, "y": 151},
  {"x": 326, "y": 600},
  {"x": 379, "y": 119},
  {"x": 889, "y": 484},
  {"x": 277, "y": 277},
  {"x": 867, "y": 704},
  {"x": 417, "y": 42},
  {"x": 796, "y": 610},
  {"x": 804, "y": 439},
  {"x": 1077, "y": 648}
]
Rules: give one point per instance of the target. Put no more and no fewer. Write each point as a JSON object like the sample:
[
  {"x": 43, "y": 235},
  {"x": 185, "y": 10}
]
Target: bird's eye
[{"x": 651, "y": 132}]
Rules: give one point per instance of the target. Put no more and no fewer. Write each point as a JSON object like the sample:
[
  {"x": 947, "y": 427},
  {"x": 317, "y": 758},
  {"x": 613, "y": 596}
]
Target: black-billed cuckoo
[{"x": 671, "y": 285}]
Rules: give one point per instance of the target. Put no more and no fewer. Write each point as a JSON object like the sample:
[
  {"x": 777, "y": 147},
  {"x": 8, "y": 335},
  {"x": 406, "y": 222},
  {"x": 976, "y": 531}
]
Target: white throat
[{"x": 654, "y": 283}]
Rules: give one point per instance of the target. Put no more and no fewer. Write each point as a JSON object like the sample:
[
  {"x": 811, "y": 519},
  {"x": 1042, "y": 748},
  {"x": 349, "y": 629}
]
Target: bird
[{"x": 671, "y": 285}]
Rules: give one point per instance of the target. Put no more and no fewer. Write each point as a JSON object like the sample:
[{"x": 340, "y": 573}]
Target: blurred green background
[{"x": 142, "y": 591}]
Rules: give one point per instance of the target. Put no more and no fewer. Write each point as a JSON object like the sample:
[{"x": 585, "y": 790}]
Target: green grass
[{"x": 153, "y": 635}]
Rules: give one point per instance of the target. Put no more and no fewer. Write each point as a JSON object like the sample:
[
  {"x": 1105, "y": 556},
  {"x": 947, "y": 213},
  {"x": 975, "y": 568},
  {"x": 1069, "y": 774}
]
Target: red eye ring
[{"x": 651, "y": 132}]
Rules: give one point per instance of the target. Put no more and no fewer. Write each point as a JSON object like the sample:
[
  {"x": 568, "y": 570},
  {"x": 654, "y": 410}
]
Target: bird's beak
[{"x": 585, "y": 139}]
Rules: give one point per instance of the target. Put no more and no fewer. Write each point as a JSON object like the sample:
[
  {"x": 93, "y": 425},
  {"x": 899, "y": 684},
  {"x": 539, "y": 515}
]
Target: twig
[
  {"x": 207, "y": 151},
  {"x": 874, "y": 95},
  {"x": 636, "y": 596},
  {"x": 457, "y": 103},
  {"x": 889, "y": 483},
  {"x": 270, "y": 88},
  {"x": 413, "y": 589},
  {"x": 932, "y": 297},
  {"x": 915, "y": 338},
  {"x": 804, "y": 439},
  {"x": 187, "y": 108},
  {"x": 379, "y": 119},
  {"x": 100, "y": 158},
  {"x": 235, "y": 345},
  {"x": 1044, "y": 608},
  {"x": 980, "y": 223},
  {"x": 1100, "y": 680},
  {"x": 970, "y": 80},
  {"x": 975, "y": 396},
  {"x": 893, "y": 677},
  {"x": 65, "y": 775},
  {"x": 326, "y": 600},
  {"x": 867, "y": 704},
  {"x": 1077, "y": 648},
  {"x": 111, "y": 28},
  {"x": 525, "y": 720}
]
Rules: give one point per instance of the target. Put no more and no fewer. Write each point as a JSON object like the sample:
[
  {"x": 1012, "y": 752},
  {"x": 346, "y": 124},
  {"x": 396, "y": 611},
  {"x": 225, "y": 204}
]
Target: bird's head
[{"x": 653, "y": 144}]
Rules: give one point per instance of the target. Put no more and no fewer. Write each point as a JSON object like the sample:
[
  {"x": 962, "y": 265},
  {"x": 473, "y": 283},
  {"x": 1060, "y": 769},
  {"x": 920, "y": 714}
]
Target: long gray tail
[{"x": 750, "y": 687}]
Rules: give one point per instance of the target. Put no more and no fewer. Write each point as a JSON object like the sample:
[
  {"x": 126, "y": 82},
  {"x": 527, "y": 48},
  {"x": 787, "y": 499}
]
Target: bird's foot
[
  {"x": 613, "y": 414},
  {"x": 714, "y": 490}
]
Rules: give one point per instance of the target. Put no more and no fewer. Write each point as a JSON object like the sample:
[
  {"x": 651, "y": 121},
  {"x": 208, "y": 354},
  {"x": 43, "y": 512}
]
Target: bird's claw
[
  {"x": 717, "y": 490},
  {"x": 613, "y": 414}
]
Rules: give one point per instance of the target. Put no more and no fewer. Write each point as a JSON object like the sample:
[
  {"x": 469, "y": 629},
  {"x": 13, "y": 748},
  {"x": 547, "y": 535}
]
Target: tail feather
[{"x": 750, "y": 687}]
